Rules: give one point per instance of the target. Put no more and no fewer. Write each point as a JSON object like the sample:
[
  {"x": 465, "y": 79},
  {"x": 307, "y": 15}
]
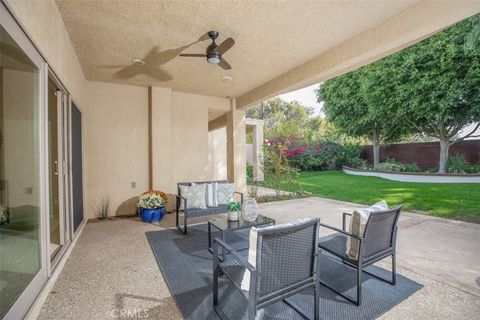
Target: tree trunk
[
  {"x": 376, "y": 149},
  {"x": 444, "y": 146}
]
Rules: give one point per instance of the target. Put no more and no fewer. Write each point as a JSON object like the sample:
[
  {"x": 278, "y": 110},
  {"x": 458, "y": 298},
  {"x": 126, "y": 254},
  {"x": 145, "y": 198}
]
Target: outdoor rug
[{"x": 186, "y": 265}]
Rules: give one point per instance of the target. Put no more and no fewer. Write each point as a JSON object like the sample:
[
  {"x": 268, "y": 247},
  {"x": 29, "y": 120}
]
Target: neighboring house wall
[
  {"x": 249, "y": 153},
  {"x": 425, "y": 154},
  {"x": 217, "y": 154}
]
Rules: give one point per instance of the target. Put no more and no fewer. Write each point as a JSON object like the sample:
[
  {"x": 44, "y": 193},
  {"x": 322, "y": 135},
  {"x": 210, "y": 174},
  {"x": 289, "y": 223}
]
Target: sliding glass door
[{"x": 22, "y": 192}]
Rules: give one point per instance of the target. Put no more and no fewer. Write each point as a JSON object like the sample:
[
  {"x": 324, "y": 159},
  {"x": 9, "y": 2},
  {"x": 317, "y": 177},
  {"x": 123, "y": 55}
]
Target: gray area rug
[{"x": 186, "y": 265}]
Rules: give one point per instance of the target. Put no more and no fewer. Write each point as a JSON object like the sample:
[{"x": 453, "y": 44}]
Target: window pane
[{"x": 19, "y": 172}]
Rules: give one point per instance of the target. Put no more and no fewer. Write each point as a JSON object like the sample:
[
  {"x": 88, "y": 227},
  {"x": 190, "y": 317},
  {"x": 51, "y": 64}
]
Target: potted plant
[
  {"x": 151, "y": 205},
  {"x": 234, "y": 209}
]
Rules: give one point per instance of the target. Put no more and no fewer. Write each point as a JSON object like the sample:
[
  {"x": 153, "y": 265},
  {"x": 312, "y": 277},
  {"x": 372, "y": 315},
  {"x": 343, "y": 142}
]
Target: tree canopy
[
  {"x": 283, "y": 118},
  {"x": 431, "y": 88}
]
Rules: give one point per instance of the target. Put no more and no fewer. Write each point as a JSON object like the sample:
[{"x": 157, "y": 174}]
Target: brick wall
[{"x": 424, "y": 154}]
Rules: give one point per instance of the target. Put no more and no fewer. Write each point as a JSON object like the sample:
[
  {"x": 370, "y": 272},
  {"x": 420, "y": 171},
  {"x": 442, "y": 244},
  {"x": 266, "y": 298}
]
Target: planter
[
  {"x": 152, "y": 215},
  {"x": 421, "y": 177},
  {"x": 233, "y": 215}
]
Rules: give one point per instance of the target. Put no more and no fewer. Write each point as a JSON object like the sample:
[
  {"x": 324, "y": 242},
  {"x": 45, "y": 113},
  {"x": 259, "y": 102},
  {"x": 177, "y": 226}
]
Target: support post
[
  {"x": 257, "y": 152},
  {"x": 236, "y": 159}
]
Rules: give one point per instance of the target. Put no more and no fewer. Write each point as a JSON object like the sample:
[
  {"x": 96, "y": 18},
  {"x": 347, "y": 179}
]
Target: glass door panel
[
  {"x": 53, "y": 167},
  {"x": 20, "y": 195}
]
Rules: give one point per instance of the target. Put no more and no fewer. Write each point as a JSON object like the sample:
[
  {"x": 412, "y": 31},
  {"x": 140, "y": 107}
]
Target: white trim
[
  {"x": 37, "y": 305},
  {"x": 33, "y": 288},
  {"x": 412, "y": 177},
  {"x": 63, "y": 182}
]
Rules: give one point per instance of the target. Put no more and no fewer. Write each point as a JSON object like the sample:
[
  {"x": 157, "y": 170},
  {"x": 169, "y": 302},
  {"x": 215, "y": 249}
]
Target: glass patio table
[{"x": 227, "y": 228}]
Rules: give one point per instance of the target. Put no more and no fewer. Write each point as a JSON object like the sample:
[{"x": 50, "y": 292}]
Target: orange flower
[{"x": 158, "y": 193}]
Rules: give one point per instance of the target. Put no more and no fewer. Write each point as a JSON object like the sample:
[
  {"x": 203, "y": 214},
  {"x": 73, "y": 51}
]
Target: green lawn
[{"x": 448, "y": 200}]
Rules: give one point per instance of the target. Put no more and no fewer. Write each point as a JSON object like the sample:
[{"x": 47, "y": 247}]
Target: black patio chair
[
  {"x": 378, "y": 242},
  {"x": 286, "y": 260}
]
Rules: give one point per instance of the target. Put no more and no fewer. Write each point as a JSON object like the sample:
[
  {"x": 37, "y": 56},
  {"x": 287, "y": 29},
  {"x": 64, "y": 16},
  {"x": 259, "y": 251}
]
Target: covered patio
[
  {"x": 109, "y": 108},
  {"x": 112, "y": 267}
]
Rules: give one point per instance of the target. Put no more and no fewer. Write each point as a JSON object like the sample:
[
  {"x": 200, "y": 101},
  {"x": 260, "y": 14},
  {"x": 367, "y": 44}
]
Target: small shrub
[
  {"x": 350, "y": 156},
  {"x": 280, "y": 175},
  {"x": 390, "y": 165},
  {"x": 318, "y": 155},
  {"x": 474, "y": 168},
  {"x": 457, "y": 164},
  {"x": 432, "y": 170},
  {"x": 249, "y": 173},
  {"x": 411, "y": 167},
  {"x": 103, "y": 210}
]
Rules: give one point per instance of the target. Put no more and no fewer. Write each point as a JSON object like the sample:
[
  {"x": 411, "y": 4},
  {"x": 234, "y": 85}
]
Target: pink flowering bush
[{"x": 315, "y": 156}]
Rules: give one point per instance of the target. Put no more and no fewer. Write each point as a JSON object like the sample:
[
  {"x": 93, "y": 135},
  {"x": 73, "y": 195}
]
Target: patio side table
[{"x": 225, "y": 227}]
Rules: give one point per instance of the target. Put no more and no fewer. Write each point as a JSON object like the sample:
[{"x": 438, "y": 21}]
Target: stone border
[{"x": 424, "y": 177}]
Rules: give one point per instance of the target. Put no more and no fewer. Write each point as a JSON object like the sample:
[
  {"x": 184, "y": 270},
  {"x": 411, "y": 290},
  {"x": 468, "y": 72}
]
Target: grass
[{"x": 448, "y": 200}]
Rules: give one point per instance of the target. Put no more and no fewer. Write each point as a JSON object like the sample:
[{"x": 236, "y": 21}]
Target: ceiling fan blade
[
  {"x": 204, "y": 37},
  {"x": 193, "y": 55},
  {"x": 224, "y": 64},
  {"x": 158, "y": 74},
  {"x": 224, "y": 46},
  {"x": 129, "y": 72}
]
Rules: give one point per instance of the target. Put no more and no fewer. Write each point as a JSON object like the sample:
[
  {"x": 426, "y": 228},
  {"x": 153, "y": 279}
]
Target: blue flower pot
[{"x": 152, "y": 215}]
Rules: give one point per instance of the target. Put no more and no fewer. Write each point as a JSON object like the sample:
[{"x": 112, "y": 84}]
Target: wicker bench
[{"x": 189, "y": 213}]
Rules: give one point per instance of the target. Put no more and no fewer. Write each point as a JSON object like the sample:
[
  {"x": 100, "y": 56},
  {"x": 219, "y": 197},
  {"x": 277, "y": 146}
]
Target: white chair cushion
[
  {"x": 195, "y": 195},
  {"x": 357, "y": 226},
  {"x": 252, "y": 248},
  {"x": 225, "y": 192}
]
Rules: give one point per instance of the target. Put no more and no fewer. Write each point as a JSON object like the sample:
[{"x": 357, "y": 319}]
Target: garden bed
[{"x": 424, "y": 177}]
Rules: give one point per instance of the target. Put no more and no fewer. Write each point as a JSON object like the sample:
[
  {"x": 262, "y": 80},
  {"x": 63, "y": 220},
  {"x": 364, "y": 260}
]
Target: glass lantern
[{"x": 250, "y": 210}]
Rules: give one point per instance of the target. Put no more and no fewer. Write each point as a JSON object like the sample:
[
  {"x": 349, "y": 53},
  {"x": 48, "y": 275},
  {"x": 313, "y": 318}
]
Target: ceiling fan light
[
  {"x": 213, "y": 58},
  {"x": 138, "y": 61}
]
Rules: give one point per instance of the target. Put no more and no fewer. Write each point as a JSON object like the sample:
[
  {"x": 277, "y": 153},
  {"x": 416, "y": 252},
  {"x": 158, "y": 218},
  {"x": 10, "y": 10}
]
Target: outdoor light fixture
[
  {"x": 213, "y": 58},
  {"x": 138, "y": 62}
]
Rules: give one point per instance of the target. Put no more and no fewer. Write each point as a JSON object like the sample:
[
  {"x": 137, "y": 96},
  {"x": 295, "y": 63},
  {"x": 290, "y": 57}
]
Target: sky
[{"x": 307, "y": 97}]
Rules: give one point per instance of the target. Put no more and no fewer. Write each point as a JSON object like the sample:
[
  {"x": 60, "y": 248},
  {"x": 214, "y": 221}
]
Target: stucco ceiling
[{"x": 271, "y": 37}]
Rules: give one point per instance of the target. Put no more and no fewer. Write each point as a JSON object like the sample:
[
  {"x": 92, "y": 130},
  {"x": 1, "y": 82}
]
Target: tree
[
  {"x": 430, "y": 88},
  {"x": 437, "y": 84},
  {"x": 347, "y": 105},
  {"x": 286, "y": 118}
]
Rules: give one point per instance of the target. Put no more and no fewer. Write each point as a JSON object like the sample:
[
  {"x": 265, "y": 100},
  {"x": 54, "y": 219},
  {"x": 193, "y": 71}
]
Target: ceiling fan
[{"x": 214, "y": 52}]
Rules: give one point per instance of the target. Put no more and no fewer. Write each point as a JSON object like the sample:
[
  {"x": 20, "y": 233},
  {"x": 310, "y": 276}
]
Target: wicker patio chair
[
  {"x": 285, "y": 264},
  {"x": 378, "y": 242}
]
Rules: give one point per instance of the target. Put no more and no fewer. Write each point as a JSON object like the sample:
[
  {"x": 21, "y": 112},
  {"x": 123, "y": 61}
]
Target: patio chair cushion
[
  {"x": 252, "y": 249},
  {"x": 212, "y": 200},
  {"x": 210, "y": 193},
  {"x": 195, "y": 195},
  {"x": 225, "y": 192},
  {"x": 358, "y": 222}
]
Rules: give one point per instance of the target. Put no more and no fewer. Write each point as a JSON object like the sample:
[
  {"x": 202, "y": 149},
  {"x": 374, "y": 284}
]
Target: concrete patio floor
[{"x": 112, "y": 267}]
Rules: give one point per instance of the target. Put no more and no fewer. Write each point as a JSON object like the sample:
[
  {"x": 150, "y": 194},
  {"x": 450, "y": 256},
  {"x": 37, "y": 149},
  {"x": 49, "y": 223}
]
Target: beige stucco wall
[
  {"x": 180, "y": 137},
  {"x": 116, "y": 145},
  {"x": 217, "y": 154},
  {"x": 44, "y": 24}
]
